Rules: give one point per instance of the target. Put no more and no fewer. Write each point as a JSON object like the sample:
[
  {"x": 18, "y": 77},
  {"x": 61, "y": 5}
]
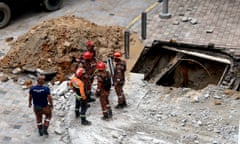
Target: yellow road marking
[{"x": 139, "y": 16}]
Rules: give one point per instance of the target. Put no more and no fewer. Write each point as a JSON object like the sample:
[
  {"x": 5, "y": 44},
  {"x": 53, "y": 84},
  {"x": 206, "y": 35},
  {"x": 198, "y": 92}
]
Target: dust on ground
[{"x": 51, "y": 46}]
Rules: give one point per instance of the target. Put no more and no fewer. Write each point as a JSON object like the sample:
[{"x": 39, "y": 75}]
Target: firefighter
[
  {"x": 90, "y": 48},
  {"x": 119, "y": 79},
  {"x": 103, "y": 90},
  {"x": 42, "y": 104},
  {"x": 90, "y": 68},
  {"x": 77, "y": 85}
]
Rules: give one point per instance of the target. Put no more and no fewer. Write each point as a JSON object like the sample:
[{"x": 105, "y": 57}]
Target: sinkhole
[{"x": 172, "y": 66}]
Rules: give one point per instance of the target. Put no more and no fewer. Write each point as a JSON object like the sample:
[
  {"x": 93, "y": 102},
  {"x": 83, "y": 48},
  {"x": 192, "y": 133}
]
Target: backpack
[{"x": 107, "y": 82}]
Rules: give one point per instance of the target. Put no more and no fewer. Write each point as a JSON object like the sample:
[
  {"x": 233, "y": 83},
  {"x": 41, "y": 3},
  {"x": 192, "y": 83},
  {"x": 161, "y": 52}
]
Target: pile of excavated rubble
[{"x": 51, "y": 46}]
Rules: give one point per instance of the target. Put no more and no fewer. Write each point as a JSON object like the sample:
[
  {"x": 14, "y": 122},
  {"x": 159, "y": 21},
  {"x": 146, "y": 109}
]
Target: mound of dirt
[{"x": 51, "y": 45}]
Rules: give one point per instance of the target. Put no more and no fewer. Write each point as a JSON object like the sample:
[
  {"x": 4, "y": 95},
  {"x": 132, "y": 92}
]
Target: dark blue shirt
[{"x": 39, "y": 95}]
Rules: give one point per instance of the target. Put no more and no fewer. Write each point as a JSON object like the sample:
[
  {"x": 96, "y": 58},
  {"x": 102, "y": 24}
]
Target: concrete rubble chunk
[
  {"x": 67, "y": 44},
  {"x": 4, "y": 78},
  {"x": 194, "y": 21},
  {"x": 58, "y": 131},
  {"x": 17, "y": 70},
  {"x": 209, "y": 31},
  {"x": 176, "y": 23},
  {"x": 184, "y": 19},
  {"x": 61, "y": 89},
  {"x": 217, "y": 102}
]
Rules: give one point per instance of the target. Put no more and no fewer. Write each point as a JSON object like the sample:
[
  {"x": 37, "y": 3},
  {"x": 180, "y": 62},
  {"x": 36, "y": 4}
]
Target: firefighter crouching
[
  {"x": 77, "y": 85},
  {"x": 119, "y": 79},
  {"x": 103, "y": 90}
]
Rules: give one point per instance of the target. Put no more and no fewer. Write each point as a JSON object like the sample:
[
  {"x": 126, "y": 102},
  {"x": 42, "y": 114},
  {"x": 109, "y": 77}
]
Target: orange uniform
[{"x": 77, "y": 86}]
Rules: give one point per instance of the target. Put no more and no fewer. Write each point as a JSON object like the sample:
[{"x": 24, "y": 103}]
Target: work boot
[
  {"x": 45, "y": 132},
  {"x": 77, "y": 114},
  {"x": 110, "y": 113},
  {"x": 91, "y": 99},
  {"x": 86, "y": 122},
  {"x": 106, "y": 118},
  {"x": 40, "y": 131},
  {"x": 124, "y": 104},
  {"x": 119, "y": 106}
]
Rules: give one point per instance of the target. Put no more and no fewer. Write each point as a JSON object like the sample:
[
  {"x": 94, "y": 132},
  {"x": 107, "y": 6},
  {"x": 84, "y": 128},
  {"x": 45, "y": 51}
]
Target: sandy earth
[{"x": 52, "y": 45}]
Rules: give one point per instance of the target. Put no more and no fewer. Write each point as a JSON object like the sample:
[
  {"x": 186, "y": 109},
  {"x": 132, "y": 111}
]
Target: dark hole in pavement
[{"x": 167, "y": 67}]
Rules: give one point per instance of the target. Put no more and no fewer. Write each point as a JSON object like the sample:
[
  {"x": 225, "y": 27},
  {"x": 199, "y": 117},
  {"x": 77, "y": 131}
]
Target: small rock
[
  {"x": 61, "y": 114},
  {"x": 229, "y": 92},
  {"x": 217, "y": 102},
  {"x": 196, "y": 142},
  {"x": 58, "y": 131},
  {"x": 184, "y": 19},
  {"x": 9, "y": 39},
  {"x": 24, "y": 87},
  {"x": 195, "y": 99},
  {"x": 17, "y": 70},
  {"x": 176, "y": 23},
  {"x": 217, "y": 130},
  {"x": 181, "y": 14},
  {"x": 209, "y": 31},
  {"x": 199, "y": 123},
  {"x": 237, "y": 97},
  {"x": 194, "y": 21},
  {"x": 217, "y": 97},
  {"x": 4, "y": 78},
  {"x": 67, "y": 44}
]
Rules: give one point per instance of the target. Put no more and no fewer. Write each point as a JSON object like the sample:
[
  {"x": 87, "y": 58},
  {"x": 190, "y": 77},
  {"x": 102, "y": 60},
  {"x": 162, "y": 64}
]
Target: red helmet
[
  {"x": 101, "y": 66},
  {"x": 87, "y": 55},
  {"x": 79, "y": 72},
  {"x": 117, "y": 55},
  {"x": 90, "y": 43}
]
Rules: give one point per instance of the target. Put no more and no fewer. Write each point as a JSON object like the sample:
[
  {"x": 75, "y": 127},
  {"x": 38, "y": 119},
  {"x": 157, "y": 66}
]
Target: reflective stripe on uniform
[
  {"x": 105, "y": 111},
  {"x": 39, "y": 123},
  {"x": 47, "y": 120},
  {"x": 77, "y": 95},
  {"x": 82, "y": 116}
]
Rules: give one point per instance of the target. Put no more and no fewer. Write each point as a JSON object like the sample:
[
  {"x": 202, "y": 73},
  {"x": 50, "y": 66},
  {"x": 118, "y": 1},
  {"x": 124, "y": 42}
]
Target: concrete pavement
[{"x": 196, "y": 22}]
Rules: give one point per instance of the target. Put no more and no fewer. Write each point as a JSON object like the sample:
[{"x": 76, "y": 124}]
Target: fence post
[
  {"x": 164, "y": 14},
  {"x": 144, "y": 25},
  {"x": 126, "y": 43}
]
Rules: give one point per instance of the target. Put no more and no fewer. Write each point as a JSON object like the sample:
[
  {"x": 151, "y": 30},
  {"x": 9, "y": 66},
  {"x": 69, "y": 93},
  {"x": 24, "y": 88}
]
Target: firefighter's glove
[{"x": 78, "y": 97}]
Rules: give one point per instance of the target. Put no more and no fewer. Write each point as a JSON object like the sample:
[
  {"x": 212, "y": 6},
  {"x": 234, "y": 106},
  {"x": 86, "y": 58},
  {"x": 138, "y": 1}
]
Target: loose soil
[{"x": 52, "y": 45}]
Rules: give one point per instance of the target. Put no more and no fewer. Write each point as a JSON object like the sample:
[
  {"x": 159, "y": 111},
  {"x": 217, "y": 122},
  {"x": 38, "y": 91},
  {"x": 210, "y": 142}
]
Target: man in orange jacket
[{"x": 77, "y": 85}]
